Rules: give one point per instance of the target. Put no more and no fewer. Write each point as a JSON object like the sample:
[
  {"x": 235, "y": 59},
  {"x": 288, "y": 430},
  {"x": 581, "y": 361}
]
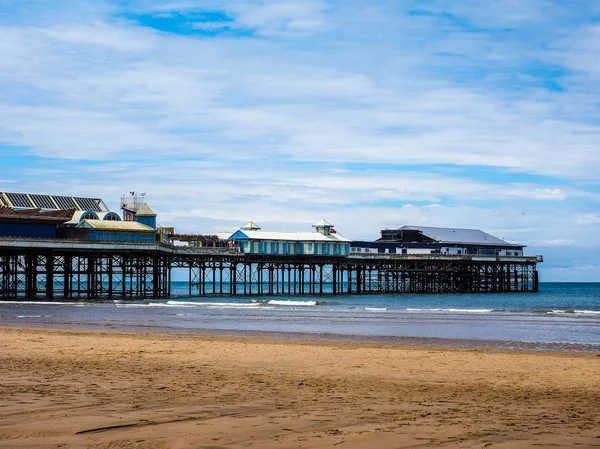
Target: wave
[
  {"x": 211, "y": 304},
  {"x": 233, "y": 306},
  {"x": 41, "y": 303},
  {"x": 376, "y": 309},
  {"x": 328, "y": 303},
  {"x": 452, "y": 310},
  {"x": 291, "y": 303},
  {"x": 571, "y": 312},
  {"x": 133, "y": 305},
  {"x": 588, "y": 312}
]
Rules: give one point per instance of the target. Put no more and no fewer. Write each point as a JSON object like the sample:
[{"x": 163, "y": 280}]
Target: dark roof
[
  {"x": 10, "y": 215},
  {"x": 50, "y": 202},
  {"x": 456, "y": 235}
]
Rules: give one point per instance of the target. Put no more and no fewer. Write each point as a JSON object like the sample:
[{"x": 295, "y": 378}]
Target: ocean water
[{"x": 563, "y": 316}]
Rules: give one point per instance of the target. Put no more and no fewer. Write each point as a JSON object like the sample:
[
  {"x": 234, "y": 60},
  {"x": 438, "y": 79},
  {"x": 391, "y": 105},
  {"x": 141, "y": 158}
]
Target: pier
[{"x": 51, "y": 269}]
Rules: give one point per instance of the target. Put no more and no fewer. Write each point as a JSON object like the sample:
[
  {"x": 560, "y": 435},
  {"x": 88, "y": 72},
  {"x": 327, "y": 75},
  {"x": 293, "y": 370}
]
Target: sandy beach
[{"x": 73, "y": 389}]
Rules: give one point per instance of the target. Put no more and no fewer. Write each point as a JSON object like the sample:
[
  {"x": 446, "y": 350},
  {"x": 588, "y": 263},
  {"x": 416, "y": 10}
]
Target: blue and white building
[{"x": 323, "y": 241}]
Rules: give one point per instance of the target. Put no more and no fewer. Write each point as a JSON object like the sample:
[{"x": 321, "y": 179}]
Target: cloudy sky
[{"x": 370, "y": 114}]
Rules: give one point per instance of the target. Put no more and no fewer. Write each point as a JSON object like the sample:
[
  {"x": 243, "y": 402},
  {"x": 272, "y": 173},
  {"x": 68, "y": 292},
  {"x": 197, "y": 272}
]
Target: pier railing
[
  {"x": 232, "y": 251},
  {"x": 441, "y": 256},
  {"x": 63, "y": 244}
]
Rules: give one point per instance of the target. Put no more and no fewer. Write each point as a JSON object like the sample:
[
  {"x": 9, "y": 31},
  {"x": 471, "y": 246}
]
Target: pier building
[
  {"x": 119, "y": 231},
  {"x": 324, "y": 241},
  {"x": 436, "y": 240},
  {"x": 80, "y": 215},
  {"x": 136, "y": 209},
  {"x": 31, "y": 223},
  {"x": 29, "y": 215},
  {"x": 74, "y": 247},
  {"x": 138, "y": 225}
]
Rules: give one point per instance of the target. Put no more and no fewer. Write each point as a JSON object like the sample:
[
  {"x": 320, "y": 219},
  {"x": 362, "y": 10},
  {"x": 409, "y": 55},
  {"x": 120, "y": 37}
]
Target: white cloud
[
  {"x": 97, "y": 34},
  {"x": 554, "y": 242},
  {"x": 582, "y": 46},
  {"x": 280, "y": 16},
  {"x": 588, "y": 219},
  {"x": 242, "y": 94}
]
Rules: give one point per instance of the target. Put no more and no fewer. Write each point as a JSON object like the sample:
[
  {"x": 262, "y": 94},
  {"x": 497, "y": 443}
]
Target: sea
[{"x": 561, "y": 317}]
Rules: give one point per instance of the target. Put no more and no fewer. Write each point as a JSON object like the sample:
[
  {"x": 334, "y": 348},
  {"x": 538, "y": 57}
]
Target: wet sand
[{"x": 71, "y": 389}]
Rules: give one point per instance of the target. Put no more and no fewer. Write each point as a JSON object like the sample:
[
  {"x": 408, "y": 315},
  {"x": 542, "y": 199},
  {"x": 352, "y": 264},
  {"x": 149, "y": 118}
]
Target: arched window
[
  {"x": 112, "y": 216},
  {"x": 88, "y": 215}
]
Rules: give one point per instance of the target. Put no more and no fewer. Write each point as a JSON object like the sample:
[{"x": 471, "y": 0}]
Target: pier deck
[{"x": 67, "y": 269}]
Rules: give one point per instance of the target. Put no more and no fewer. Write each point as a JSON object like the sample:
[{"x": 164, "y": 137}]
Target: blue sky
[{"x": 370, "y": 114}]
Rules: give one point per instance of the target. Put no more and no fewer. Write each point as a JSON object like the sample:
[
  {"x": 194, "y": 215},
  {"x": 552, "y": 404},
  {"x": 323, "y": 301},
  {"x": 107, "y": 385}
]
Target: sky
[{"x": 372, "y": 115}]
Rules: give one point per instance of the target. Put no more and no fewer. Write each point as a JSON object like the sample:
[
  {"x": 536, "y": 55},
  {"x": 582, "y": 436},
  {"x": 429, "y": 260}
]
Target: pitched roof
[
  {"x": 455, "y": 235},
  {"x": 35, "y": 215},
  {"x": 145, "y": 211},
  {"x": 50, "y": 202},
  {"x": 251, "y": 226},
  {"x": 289, "y": 236},
  {"x": 322, "y": 223},
  {"x": 124, "y": 226}
]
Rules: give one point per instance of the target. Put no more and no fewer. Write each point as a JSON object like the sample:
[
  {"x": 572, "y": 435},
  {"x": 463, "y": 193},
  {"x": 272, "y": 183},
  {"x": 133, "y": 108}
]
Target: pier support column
[
  {"x": 321, "y": 279},
  {"x": 233, "y": 279},
  {"x": 221, "y": 278},
  {"x": 50, "y": 276},
  {"x": 30, "y": 275},
  {"x": 334, "y": 279}
]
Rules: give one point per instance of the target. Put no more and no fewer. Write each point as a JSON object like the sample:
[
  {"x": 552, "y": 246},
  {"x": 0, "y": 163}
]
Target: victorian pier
[{"x": 39, "y": 269}]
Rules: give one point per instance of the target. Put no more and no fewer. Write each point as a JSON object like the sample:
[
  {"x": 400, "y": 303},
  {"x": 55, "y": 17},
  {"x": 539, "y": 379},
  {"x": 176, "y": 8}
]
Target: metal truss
[
  {"x": 67, "y": 275},
  {"x": 135, "y": 273}
]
